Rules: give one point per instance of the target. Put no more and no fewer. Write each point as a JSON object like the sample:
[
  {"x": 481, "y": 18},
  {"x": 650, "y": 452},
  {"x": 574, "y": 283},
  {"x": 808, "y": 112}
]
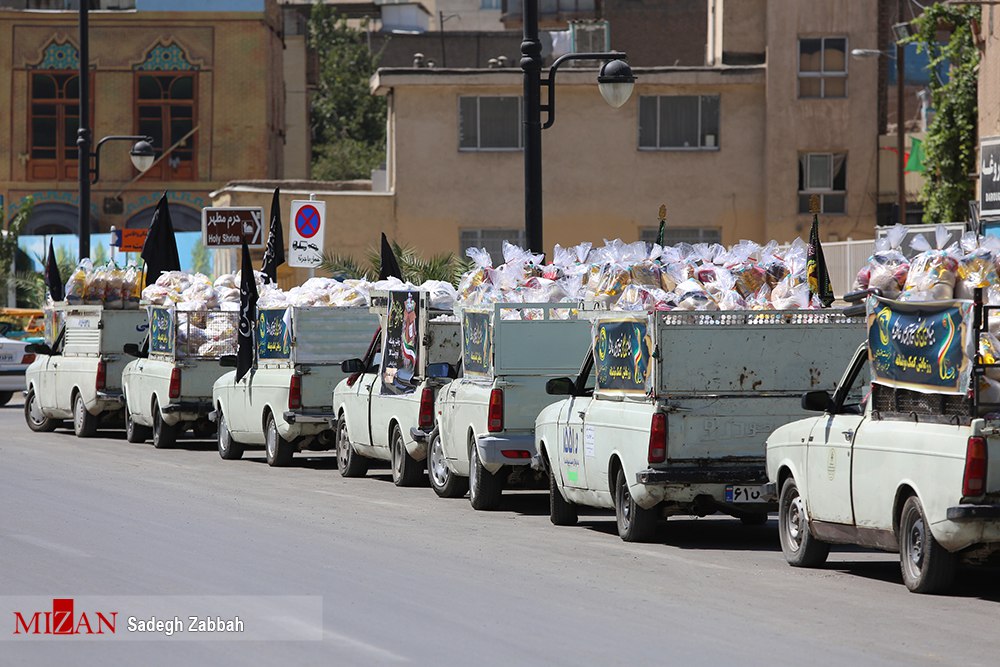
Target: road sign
[
  {"x": 305, "y": 234},
  {"x": 227, "y": 227},
  {"x": 989, "y": 177},
  {"x": 129, "y": 240}
]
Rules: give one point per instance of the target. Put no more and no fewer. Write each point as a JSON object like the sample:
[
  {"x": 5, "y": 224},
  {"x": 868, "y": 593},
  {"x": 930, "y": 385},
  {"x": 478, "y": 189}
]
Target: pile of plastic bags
[
  {"x": 641, "y": 276},
  {"x": 195, "y": 291},
  {"x": 330, "y": 292},
  {"x": 109, "y": 286}
]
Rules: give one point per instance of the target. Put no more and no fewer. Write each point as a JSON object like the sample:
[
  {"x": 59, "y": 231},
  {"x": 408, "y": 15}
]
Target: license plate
[{"x": 745, "y": 494}]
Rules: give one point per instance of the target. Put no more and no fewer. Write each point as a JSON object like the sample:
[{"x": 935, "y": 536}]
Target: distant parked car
[{"x": 13, "y": 362}]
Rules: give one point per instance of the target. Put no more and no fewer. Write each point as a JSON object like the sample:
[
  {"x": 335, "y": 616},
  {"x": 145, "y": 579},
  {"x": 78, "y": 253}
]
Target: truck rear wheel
[
  {"x": 134, "y": 432},
  {"x": 485, "y": 488},
  {"x": 164, "y": 435},
  {"x": 635, "y": 524},
  {"x": 801, "y": 549},
  {"x": 277, "y": 450},
  {"x": 5, "y": 397},
  {"x": 444, "y": 482},
  {"x": 84, "y": 423},
  {"x": 927, "y": 566},
  {"x": 229, "y": 449},
  {"x": 561, "y": 511},
  {"x": 406, "y": 471},
  {"x": 33, "y": 416},
  {"x": 349, "y": 462}
]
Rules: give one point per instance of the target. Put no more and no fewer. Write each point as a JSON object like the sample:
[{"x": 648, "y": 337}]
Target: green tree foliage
[
  {"x": 347, "y": 121},
  {"x": 416, "y": 269},
  {"x": 26, "y": 282},
  {"x": 951, "y": 138},
  {"x": 99, "y": 255},
  {"x": 201, "y": 260}
]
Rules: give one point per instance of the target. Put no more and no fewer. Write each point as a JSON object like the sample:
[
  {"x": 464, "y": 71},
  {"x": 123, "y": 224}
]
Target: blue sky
[{"x": 36, "y": 246}]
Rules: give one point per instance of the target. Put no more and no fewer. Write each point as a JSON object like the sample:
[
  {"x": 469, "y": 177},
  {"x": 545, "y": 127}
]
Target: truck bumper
[
  {"x": 701, "y": 475},
  {"x": 305, "y": 423},
  {"x": 186, "y": 411},
  {"x": 12, "y": 380},
  {"x": 971, "y": 512},
  {"x": 506, "y": 450}
]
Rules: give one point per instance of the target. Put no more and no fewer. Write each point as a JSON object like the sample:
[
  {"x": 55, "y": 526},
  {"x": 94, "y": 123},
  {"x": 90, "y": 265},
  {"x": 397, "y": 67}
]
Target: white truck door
[
  {"x": 829, "y": 451},
  {"x": 572, "y": 427},
  {"x": 358, "y": 400}
]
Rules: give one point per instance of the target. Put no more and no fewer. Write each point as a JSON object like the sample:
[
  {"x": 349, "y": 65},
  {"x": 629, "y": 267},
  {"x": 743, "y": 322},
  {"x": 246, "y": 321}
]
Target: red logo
[{"x": 63, "y": 621}]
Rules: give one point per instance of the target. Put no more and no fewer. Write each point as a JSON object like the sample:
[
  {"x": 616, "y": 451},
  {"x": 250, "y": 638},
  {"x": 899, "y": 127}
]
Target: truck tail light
[
  {"x": 29, "y": 358},
  {"x": 516, "y": 453},
  {"x": 494, "y": 418},
  {"x": 295, "y": 392},
  {"x": 175, "y": 383},
  {"x": 102, "y": 376},
  {"x": 657, "y": 438},
  {"x": 974, "y": 481},
  {"x": 425, "y": 420}
]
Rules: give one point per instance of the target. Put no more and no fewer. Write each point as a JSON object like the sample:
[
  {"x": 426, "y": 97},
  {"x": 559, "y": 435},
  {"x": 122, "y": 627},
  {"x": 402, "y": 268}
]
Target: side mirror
[
  {"x": 560, "y": 387},
  {"x": 131, "y": 349},
  {"x": 38, "y": 348},
  {"x": 228, "y": 361},
  {"x": 352, "y": 366},
  {"x": 444, "y": 370},
  {"x": 817, "y": 401}
]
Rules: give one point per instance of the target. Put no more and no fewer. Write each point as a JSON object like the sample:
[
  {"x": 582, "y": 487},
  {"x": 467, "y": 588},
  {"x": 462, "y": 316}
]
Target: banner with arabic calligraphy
[
  {"x": 161, "y": 331},
  {"x": 924, "y": 347},
  {"x": 989, "y": 176},
  {"x": 477, "y": 343},
  {"x": 274, "y": 340},
  {"x": 621, "y": 354},
  {"x": 401, "y": 343}
]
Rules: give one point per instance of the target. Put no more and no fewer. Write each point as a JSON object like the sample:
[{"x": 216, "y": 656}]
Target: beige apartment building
[{"x": 733, "y": 150}]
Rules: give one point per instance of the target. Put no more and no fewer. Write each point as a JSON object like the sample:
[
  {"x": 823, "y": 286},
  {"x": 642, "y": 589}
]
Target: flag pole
[{"x": 663, "y": 225}]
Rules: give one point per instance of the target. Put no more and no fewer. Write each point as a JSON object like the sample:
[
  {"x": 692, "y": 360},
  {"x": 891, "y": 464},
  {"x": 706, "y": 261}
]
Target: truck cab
[
  {"x": 77, "y": 372},
  {"x": 385, "y": 408}
]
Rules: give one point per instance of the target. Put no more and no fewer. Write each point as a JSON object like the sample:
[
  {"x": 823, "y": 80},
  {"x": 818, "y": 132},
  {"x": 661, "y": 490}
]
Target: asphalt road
[{"x": 407, "y": 577}]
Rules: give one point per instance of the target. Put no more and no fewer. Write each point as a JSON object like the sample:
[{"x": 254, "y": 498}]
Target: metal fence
[{"x": 206, "y": 334}]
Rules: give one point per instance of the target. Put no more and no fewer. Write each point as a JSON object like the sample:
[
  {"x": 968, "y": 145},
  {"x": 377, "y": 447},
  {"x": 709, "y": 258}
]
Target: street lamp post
[
  {"x": 143, "y": 155},
  {"x": 615, "y": 82}
]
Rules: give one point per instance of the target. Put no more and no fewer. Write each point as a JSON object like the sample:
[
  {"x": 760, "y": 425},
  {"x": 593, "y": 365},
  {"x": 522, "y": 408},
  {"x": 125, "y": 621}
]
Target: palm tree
[{"x": 416, "y": 269}]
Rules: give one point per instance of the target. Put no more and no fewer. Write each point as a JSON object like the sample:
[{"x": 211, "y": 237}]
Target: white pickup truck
[
  {"x": 168, "y": 388},
  {"x": 385, "y": 409},
  {"x": 671, "y": 409},
  {"x": 899, "y": 458},
  {"x": 485, "y": 430},
  {"x": 285, "y": 402},
  {"x": 77, "y": 373}
]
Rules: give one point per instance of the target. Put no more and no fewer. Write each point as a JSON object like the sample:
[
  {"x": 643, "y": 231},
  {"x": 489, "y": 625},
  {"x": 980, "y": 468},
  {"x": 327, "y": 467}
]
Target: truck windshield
[
  {"x": 585, "y": 381},
  {"x": 857, "y": 388}
]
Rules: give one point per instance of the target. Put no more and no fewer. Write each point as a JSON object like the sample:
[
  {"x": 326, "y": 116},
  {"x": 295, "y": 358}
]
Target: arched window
[
  {"x": 166, "y": 106},
  {"x": 54, "y": 113}
]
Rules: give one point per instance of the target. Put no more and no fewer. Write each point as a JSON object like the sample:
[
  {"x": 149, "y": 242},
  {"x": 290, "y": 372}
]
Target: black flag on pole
[
  {"x": 816, "y": 271},
  {"x": 160, "y": 249},
  {"x": 390, "y": 265},
  {"x": 52, "y": 278},
  {"x": 248, "y": 316},
  {"x": 274, "y": 254}
]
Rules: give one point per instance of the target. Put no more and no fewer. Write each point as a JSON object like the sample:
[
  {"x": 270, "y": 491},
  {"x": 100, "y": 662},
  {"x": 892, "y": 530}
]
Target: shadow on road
[{"x": 980, "y": 582}]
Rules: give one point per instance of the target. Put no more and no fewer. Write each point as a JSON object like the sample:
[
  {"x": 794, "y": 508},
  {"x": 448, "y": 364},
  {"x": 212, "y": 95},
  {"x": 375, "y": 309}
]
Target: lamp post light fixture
[{"x": 615, "y": 83}]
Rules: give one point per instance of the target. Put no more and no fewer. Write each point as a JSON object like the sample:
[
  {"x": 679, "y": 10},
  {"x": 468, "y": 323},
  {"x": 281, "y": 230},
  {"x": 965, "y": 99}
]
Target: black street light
[
  {"x": 143, "y": 155},
  {"x": 615, "y": 82}
]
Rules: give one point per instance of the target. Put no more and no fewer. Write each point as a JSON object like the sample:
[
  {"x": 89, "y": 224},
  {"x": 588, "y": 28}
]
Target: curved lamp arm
[
  {"x": 550, "y": 106},
  {"x": 96, "y": 155}
]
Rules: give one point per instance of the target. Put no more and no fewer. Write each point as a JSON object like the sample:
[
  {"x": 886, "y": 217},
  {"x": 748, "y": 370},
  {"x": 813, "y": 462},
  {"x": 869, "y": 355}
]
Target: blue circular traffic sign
[{"x": 307, "y": 221}]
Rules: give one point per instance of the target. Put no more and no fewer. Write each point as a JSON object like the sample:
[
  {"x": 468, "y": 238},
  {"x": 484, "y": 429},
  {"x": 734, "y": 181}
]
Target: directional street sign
[
  {"x": 129, "y": 240},
  {"x": 227, "y": 227},
  {"x": 305, "y": 234}
]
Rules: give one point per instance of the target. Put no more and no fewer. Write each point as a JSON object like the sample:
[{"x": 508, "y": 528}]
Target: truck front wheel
[
  {"x": 444, "y": 482},
  {"x": 927, "y": 566},
  {"x": 635, "y": 524},
  {"x": 349, "y": 462},
  {"x": 561, "y": 511},
  {"x": 406, "y": 471},
  {"x": 485, "y": 488},
  {"x": 277, "y": 450},
  {"x": 229, "y": 449},
  {"x": 33, "y": 416},
  {"x": 84, "y": 423},
  {"x": 801, "y": 549},
  {"x": 164, "y": 435}
]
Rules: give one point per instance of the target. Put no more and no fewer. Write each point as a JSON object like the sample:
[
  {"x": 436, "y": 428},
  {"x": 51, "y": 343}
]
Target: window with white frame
[
  {"x": 679, "y": 122},
  {"x": 675, "y": 235},
  {"x": 823, "y": 174},
  {"x": 823, "y": 67},
  {"x": 491, "y": 239},
  {"x": 489, "y": 123},
  {"x": 489, "y": 4}
]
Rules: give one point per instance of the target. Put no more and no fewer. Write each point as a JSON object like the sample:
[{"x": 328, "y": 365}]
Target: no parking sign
[{"x": 305, "y": 239}]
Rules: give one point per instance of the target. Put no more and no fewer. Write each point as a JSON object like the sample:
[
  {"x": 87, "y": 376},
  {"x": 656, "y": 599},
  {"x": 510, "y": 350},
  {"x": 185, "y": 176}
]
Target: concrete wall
[
  {"x": 989, "y": 74},
  {"x": 654, "y": 32},
  {"x": 820, "y": 125}
]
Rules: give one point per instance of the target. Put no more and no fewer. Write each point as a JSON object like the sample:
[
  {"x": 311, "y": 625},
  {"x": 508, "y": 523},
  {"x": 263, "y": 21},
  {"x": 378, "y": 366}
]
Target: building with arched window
[{"x": 206, "y": 85}]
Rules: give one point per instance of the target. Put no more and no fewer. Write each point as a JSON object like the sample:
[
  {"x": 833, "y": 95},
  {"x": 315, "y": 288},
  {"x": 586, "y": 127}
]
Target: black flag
[
  {"x": 248, "y": 316},
  {"x": 390, "y": 266},
  {"x": 52, "y": 278},
  {"x": 816, "y": 271},
  {"x": 160, "y": 249},
  {"x": 274, "y": 254}
]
